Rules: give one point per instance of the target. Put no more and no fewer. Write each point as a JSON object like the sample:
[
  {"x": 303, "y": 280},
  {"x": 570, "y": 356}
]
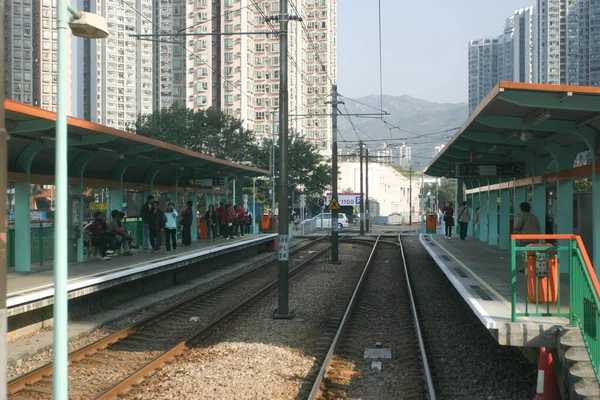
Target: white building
[
  {"x": 390, "y": 188},
  {"x": 512, "y": 56}
]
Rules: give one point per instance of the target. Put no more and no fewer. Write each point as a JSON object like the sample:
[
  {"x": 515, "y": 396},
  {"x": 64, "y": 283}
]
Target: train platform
[
  {"x": 30, "y": 295},
  {"x": 482, "y": 276}
]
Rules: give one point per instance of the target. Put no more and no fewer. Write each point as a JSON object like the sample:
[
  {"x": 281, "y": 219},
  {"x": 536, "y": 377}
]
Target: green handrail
[{"x": 584, "y": 290}]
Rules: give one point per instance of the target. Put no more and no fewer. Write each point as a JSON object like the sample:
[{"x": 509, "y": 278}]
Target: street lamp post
[{"x": 90, "y": 26}]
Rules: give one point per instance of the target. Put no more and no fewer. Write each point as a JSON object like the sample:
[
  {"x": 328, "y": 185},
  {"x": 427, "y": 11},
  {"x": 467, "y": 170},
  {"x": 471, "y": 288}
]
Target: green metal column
[
  {"x": 22, "y": 226},
  {"x": 476, "y": 199},
  {"x": 520, "y": 197},
  {"x": 115, "y": 196},
  {"x": 538, "y": 208},
  {"x": 483, "y": 221},
  {"x": 596, "y": 216},
  {"x": 504, "y": 236},
  {"x": 564, "y": 218},
  {"x": 470, "y": 202},
  {"x": 77, "y": 190},
  {"x": 493, "y": 218},
  {"x": 194, "y": 198}
]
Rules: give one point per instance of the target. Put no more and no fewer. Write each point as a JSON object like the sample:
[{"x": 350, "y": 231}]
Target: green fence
[
  {"x": 584, "y": 290},
  {"x": 42, "y": 244}
]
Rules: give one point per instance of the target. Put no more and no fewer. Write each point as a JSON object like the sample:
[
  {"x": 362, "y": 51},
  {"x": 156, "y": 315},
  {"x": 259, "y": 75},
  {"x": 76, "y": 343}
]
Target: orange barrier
[
  {"x": 547, "y": 286},
  {"x": 547, "y": 387},
  {"x": 580, "y": 245}
]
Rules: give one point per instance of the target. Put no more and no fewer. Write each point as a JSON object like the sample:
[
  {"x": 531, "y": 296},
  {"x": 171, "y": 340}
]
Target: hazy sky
[{"x": 425, "y": 44}]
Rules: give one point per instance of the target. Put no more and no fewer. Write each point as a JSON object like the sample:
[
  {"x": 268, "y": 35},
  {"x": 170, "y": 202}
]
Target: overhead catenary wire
[{"x": 220, "y": 16}]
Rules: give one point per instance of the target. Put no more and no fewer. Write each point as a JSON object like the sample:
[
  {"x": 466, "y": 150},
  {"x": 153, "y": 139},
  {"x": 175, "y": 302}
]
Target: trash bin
[
  {"x": 542, "y": 265},
  {"x": 202, "y": 230},
  {"x": 266, "y": 222},
  {"x": 431, "y": 223}
]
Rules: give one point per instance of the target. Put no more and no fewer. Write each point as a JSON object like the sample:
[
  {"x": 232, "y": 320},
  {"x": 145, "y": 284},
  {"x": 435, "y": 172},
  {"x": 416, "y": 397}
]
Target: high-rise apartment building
[
  {"x": 511, "y": 56},
  {"x": 115, "y": 79},
  {"x": 31, "y": 52},
  {"x": 569, "y": 42},
  {"x": 240, "y": 73}
]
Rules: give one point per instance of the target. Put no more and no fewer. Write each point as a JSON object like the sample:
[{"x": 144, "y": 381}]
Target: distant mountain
[{"x": 413, "y": 115}]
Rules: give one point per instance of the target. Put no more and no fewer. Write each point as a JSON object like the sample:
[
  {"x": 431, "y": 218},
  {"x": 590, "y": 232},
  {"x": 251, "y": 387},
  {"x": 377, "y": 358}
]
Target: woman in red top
[{"x": 448, "y": 219}]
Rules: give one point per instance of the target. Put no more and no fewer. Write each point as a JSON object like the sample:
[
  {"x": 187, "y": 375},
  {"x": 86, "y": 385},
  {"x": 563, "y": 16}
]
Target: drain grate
[
  {"x": 481, "y": 293},
  {"x": 445, "y": 258},
  {"x": 460, "y": 272}
]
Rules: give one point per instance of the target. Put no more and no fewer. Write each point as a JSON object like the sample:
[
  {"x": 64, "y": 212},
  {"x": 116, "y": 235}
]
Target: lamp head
[{"x": 90, "y": 26}]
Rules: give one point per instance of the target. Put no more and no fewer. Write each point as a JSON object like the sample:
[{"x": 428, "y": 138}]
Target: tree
[
  {"x": 445, "y": 191},
  {"x": 348, "y": 190},
  {"x": 308, "y": 170},
  {"x": 207, "y": 131}
]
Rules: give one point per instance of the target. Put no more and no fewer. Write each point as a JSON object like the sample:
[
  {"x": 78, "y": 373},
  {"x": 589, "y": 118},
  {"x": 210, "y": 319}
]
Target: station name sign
[
  {"x": 197, "y": 182},
  {"x": 475, "y": 170}
]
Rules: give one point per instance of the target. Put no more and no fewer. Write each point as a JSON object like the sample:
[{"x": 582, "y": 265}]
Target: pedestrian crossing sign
[{"x": 333, "y": 204}]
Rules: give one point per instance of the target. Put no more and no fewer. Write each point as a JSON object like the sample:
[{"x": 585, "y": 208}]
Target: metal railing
[{"x": 584, "y": 289}]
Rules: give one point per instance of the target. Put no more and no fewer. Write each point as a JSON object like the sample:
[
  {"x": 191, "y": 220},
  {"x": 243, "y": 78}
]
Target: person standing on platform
[
  {"x": 526, "y": 224},
  {"x": 156, "y": 225},
  {"x": 448, "y": 220},
  {"x": 463, "y": 218},
  {"x": 211, "y": 221},
  {"x": 171, "y": 227},
  {"x": 240, "y": 219},
  {"x": 146, "y": 210},
  {"x": 220, "y": 211},
  {"x": 186, "y": 223}
]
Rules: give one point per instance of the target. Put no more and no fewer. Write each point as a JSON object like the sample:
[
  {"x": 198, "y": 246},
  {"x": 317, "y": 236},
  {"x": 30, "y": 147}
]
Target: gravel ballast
[
  {"x": 466, "y": 361},
  {"x": 256, "y": 357}
]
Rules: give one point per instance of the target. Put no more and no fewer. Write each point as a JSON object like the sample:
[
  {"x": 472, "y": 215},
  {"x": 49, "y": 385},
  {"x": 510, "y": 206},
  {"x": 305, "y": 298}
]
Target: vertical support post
[
  {"x": 493, "y": 218},
  {"x": 60, "y": 364},
  {"x": 362, "y": 198},
  {"x": 254, "y": 230},
  {"x": 520, "y": 197},
  {"x": 483, "y": 216},
  {"x": 283, "y": 253},
  {"x": 334, "y": 174},
  {"x": 193, "y": 196},
  {"x": 504, "y": 239},
  {"x": 3, "y": 225},
  {"x": 410, "y": 193},
  {"x": 565, "y": 218},
  {"x": 367, "y": 189},
  {"x": 234, "y": 199},
  {"x": 115, "y": 196},
  {"x": 538, "y": 208},
  {"x": 476, "y": 202},
  {"x": 23, "y": 226}
]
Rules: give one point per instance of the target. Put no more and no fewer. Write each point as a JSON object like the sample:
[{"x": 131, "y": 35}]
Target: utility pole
[
  {"x": 362, "y": 200},
  {"x": 334, "y": 176},
  {"x": 367, "y": 189},
  {"x": 410, "y": 194},
  {"x": 3, "y": 232},
  {"x": 283, "y": 311}
]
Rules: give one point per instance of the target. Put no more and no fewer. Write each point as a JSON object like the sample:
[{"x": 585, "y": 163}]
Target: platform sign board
[
  {"x": 478, "y": 170},
  {"x": 204, "y": 183}
]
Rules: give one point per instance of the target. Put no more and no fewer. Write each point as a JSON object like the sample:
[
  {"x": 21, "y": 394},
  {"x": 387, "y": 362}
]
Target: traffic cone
[{"x": 547, "y": 387}]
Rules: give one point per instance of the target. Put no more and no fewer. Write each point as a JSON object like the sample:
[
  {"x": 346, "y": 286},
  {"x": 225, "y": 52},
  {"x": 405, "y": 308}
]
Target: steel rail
[
  {"x": 338, "y": 335},
  {"x": 125, "y": 384},
  {"x": 38, "y": 374},
  {"x": 426, "y": 370}
]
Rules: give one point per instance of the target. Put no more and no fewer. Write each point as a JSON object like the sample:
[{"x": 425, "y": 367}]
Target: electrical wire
[
  {"x": 219, "y": 16},
  {"x": 176, "y": 41}
]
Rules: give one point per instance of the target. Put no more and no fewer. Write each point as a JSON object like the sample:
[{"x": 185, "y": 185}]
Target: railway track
[
  {"x": 377, "y": 350},
  {"x": 110, "y": 366}
]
